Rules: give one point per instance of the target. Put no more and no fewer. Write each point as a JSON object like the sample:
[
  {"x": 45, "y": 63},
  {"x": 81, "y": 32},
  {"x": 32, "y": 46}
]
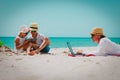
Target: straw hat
[
  {"x": 34, "y": 27},
  {"x": 97, "y": 31}
]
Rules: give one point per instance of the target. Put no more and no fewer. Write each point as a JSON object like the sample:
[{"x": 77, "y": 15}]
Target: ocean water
[{"x": 60, "y": 42}]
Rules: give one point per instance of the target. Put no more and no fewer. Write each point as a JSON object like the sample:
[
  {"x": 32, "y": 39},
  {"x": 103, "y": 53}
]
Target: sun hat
[
  {"x": 97, "y": 31},
  {"x": 25, "y": 30},
  {"x": 34, "y": 27}
]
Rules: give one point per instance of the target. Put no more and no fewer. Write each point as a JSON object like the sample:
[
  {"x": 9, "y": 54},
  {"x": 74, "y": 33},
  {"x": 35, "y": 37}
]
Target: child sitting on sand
[{"x": 20, "y": 43}]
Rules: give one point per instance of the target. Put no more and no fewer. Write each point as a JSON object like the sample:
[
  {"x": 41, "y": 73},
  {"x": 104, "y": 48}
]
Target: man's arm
[{"x": 44, "y": 43}]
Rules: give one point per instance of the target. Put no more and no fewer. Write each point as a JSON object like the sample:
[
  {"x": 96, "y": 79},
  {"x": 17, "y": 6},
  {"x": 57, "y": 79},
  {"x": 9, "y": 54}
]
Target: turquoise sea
[{"x": 60, "y": 42}]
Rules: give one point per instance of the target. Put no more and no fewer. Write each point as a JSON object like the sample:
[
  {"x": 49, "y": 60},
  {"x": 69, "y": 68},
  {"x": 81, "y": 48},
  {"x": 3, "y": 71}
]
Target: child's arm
[{"x": 17, "y": 44}]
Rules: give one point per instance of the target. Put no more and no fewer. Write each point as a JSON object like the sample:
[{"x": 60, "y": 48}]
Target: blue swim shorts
[{"x": 46, "y": 49}]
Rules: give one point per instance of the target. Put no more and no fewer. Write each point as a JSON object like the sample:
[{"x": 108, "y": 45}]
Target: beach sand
[{"x": 58, "y": 66}]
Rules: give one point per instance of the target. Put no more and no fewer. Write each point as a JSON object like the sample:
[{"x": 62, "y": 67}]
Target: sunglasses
[
  {"x": 33, "y": 31},
  {"x": 92, "y": 35}
]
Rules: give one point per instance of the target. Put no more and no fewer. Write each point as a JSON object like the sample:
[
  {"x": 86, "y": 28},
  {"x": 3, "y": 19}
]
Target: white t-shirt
[
  {"x": 21, "y": 41},
  {"x": 105, "y": 47},
  {"x": 39, "y": 39}
]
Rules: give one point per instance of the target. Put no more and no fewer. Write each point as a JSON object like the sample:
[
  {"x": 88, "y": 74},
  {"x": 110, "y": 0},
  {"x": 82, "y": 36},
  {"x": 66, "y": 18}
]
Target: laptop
[{"x": 71, "y": 50}]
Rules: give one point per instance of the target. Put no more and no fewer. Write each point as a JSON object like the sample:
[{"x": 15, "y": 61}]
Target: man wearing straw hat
[{"x": 41, "y": 42}]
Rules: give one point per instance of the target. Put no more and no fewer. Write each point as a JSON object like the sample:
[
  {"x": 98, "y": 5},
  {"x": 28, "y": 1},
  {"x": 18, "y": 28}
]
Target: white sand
[{"x": 58, "y": 66}]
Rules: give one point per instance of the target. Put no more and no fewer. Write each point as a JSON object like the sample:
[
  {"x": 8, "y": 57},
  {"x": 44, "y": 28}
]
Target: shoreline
[{"x": 59, "y": 42}]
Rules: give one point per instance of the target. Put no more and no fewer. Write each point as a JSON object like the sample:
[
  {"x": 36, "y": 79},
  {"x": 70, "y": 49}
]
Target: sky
[{"x": 60, "y": 18}]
